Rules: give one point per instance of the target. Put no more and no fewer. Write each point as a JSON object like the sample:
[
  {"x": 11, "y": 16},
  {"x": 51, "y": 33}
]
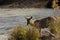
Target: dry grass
[
  {"x": 24, "y": 33},
  {"x": 55, "y": 5},
  {"x": 58, "y": 25}
]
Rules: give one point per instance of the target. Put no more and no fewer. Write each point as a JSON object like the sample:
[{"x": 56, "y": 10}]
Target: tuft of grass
[
  {"x": 58, "y": 25},
  {"x": 53, "y": 26},
  {"x": 55, "y": 5},
  {"x": 33, "y": 34},
  {"x": 24, "y": 33}
]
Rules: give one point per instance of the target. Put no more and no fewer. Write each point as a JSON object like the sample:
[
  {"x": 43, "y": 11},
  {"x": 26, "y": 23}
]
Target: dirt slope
[{"x": 24, "y": 3}]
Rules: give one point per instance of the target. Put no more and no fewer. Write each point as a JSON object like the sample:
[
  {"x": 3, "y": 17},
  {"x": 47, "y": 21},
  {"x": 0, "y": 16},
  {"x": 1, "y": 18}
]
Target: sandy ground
[
  {"x": 3, "y": 37},
  {"x": 11, "y": 17},
  {"x": 17, "y": 12}
]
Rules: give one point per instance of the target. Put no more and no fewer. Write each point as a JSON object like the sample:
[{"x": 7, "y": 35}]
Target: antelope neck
[{"x": 32, "y": 21}]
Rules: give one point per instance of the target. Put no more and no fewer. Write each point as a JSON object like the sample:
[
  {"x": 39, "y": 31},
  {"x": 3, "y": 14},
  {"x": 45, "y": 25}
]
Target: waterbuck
[{"x": 43, "y": 24}]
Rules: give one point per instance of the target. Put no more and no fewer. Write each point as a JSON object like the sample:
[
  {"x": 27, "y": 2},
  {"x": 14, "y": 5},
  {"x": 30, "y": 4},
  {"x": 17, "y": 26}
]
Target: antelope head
[{"x": 28, "y": 19}]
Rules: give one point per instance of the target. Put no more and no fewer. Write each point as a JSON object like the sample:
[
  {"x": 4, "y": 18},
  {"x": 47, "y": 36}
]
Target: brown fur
[{"x": 43, "y": 23}]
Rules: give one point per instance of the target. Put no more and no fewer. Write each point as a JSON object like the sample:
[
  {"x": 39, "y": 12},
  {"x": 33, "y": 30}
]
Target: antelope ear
[
  {"x": 25, "y": 17},
  {"x": 31, "y": 17}
]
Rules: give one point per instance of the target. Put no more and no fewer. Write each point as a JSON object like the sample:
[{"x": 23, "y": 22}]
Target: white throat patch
[{"x": 32, "y": 21}]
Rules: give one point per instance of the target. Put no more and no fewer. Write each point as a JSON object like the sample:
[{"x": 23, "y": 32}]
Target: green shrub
[{"x": 24, "y": 33}]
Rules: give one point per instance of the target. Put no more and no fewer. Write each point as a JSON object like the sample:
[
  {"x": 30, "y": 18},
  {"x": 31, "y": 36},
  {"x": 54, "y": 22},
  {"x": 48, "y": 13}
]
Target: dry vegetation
[
  {"x": 55, "y": 5},
  {"x": 58, "y": 25},
  {"x": 25, "y": 33}
]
